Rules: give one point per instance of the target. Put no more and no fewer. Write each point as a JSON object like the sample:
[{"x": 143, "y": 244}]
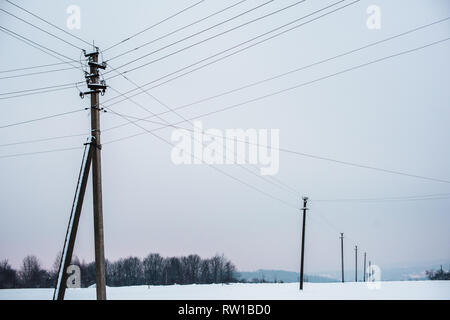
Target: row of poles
[{"x": 302, "y": 257}]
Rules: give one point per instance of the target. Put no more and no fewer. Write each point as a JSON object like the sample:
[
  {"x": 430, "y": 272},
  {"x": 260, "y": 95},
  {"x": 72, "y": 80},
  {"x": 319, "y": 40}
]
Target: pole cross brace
[
  {"x": 95, "y": 107},
  {"x": 82, "y": 94},
  {"x": 91, "y": 54},
  {"x": 97, "y": 65},
  {"x": 97, "y": 86}
]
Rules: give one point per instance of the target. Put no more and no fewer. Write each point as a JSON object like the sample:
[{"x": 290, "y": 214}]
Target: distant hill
[
  {"x": 281, "y": 275},
  {"x": 394, "y": 273},
  {"x": 387, "y": 274}
]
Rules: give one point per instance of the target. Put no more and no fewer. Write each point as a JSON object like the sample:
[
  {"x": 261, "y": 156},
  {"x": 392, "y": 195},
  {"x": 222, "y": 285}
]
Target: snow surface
[{"x": 401, "y": 290}]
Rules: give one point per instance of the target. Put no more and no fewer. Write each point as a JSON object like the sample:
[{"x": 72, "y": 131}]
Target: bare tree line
[{"x": 152, "y": 270}]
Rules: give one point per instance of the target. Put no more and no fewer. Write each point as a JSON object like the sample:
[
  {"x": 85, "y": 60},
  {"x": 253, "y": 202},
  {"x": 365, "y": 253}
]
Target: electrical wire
[
  {"x": 38, "y": 152},
  {"x": 177, "y": 30},
  {"x": 216, "y": 168},
  {"x": 61, "y": 86},
  {"x": 304, "y": 67},
  {"x": 28, "y": 41},
  {"x": 436, "y": 196},
  {"x": 35, "y": 73},
  {"x": 41, "y": 118},
  {"x": 154, "y": 25},
  {"x": 45, "y": 31},
  {"x": 285, "y": 150},
  {"x": 35, "y": 67},
  {"x": 307, "y": 66},
  {"x": 43, "y": 139},
  {"x": 347, "y": 163},
  {"x": 233, "y": 53},
  {"x": 206, "y": 39},
  {"x": 15, "y": 94},
  {"x": 53, "y": 25},
  {"x": 166, "y": 106}
]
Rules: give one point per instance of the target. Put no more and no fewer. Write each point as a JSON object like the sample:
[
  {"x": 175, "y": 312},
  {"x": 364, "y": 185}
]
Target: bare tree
[
  {"x": 217, "y": 268},
  {"x": 153, "y": 268},
  {"x": 32, "y": 275},
  {"x": 191, "y": 265},
  {"x": 8, "y": 276},
  {"x": 230, "y": 272},
  {"x": 205, "y": 273}
]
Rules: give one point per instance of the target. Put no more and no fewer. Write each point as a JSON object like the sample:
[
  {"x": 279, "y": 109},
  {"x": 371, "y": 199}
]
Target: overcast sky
[{"x": 394, "y": 115}]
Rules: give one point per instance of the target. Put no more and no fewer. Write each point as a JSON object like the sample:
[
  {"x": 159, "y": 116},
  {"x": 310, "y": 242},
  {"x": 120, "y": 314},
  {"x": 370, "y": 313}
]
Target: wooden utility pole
[
  {"x": 305, "y": 200},
  {"x": 94, "y": 85},
  {"x": 92, "y": 157},
  {"x": 342, "y": 255},
  {"x": 365, "y": 266},
  {"x": 356, "y": 263}
]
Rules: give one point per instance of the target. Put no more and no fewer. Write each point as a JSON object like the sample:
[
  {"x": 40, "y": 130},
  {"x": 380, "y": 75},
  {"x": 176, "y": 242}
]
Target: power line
[
  {"x": 45, "y": 31},
  {"x": 179, "y": 115},
  {"x": 154, "y": 25},
  {"x": 35, "y": 73},
  {"x": 42, "y": 19},
  {"x": 308, "y": 82},
  {"x": 186, "y": 120},
  {"x": 35, "y": 67},
  {"x": 436, "y": 196},
  {"x": 38, "y": 152},
  {"x": 28, "y": 41},
  {"x": 38, "y": 92},
  {"x": 209, "y": 38},
  {"x": 177, "y": 30},
  {"x": 307, "y": 66},
  {"x": 324, "y": 221},
  {"x": 62, "y": 86},
  {"x": 166, "y": 106},
  {"x": 223, "y": 172},
  {"x": 215, "y": 168},
  {"x": 40, "y": 89},
  {"x": 297, "y": 69},
  {"x": 188, "y": 37},
  {"x": 241, "y": 50},
  {"x": 279, "y": 149},
  {"x": 43, "y": 139},
  {"x": 347, "y": 163},
  {"x": 41, "y": 118}
]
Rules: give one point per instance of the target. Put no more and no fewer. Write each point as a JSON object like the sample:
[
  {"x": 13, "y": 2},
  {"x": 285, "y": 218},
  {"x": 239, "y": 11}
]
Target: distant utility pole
[
  {"x": 305, "y": 200},
  {"x": 92, "y": 158},
  {"x": 356, "y": 263},
  {"x": 365, "y": 266},
  {"x": 342, "y": 255},
  {"x": 370, "y": 271}
]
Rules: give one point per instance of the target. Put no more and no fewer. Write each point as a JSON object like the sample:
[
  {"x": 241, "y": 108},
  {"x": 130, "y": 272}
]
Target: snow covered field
[{"x": 266, "y": 291}]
